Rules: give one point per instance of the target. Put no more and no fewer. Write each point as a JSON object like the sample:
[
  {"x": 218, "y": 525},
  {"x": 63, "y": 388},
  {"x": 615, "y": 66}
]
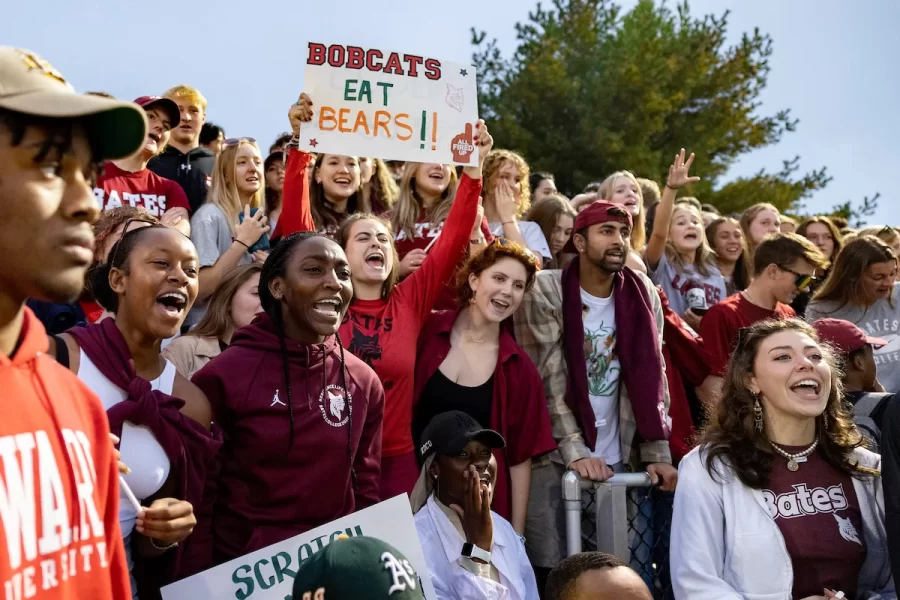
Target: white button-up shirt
[{"x": 442, "y": 546}]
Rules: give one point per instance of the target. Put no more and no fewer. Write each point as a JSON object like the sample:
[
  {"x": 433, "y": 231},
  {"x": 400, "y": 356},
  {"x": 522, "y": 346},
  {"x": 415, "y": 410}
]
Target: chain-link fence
[{"x": 624, "y": 516}]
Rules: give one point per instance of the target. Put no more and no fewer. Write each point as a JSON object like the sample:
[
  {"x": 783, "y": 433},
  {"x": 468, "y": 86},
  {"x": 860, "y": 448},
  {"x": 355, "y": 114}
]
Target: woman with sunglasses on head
[
  {"x": 468, "y": 360},
  {"x": 726, "y": 238},
  {"x": 302, "y": 418},
  {"x": 229, "y": 227},
  {"x": 861, "y": 288},
  {"x": 161, "y": 419},
  {"x": 471, "y": 551},
  {"x": 233, "y": 305},
  {"x": 385, "y": 318},
  {"x": 780, "y": 500}
]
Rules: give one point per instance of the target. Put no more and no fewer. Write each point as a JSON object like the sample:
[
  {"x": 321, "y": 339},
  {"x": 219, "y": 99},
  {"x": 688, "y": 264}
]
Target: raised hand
[
  {"x": 678, "y": 172},
  {"x": 251, "y": 228},
  {"x": 300, "y": 112},
  {"x": 479, "y": 217},
  {"x": 505, "y": 202},
  {"x": 475, "y": 513},
  {"x": 483, "y": 140}
]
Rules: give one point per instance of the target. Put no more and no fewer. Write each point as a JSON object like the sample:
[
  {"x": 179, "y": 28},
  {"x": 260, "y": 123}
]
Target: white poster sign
[
  {"x": 390, "y": 105},
  {"x": 268, "y": 574}
]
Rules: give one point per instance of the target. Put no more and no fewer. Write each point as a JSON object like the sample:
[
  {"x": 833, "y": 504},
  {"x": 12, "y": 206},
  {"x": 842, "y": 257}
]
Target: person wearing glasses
[
  {"x": 228, "y": 229},
  {"x": 785, "y": 265},
  {"x": 128, "y": 181},
  {"x": 780, "y": 500},
  {"x": 162, "y": 420},
  {"x": 469, "y": 361},
  {"x": 861, "y": 288}
]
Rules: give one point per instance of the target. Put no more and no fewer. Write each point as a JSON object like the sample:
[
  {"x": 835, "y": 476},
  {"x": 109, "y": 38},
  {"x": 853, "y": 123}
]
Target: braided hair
[
  {"x": 276, "y": 266},
  {"x": 118, "y": 259}
]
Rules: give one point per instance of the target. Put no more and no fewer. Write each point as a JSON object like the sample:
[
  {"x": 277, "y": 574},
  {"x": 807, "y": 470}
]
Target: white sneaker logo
[{"x": 275, "y": 400}]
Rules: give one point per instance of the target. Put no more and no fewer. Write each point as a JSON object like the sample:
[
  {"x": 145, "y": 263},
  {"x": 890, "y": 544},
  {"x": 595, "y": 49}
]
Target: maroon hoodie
[{"x": 271, "y": 488}]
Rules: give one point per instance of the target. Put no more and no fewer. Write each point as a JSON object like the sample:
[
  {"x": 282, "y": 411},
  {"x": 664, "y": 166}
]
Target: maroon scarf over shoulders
[
  {"x": 637, "y": 347},
  {"x": 191, "y": 449}
]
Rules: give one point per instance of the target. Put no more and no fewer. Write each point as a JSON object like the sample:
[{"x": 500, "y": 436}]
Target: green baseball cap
[{"x": 358, "y": 568}]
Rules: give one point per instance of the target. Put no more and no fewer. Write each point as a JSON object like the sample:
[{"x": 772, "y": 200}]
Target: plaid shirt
[{"x": 539, "y": 330}]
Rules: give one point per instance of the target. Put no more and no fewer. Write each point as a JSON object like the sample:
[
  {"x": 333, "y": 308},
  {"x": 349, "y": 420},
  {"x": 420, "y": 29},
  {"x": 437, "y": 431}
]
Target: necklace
[
  {"x": 794, "y": 460},
  {"x": 472, "y": 338}
]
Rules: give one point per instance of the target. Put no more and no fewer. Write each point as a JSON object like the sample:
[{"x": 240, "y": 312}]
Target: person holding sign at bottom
[
  {"x": 472, "y": 553},
  {"x": 385, "y": 318},
  {"x": 301, "y": 418}
]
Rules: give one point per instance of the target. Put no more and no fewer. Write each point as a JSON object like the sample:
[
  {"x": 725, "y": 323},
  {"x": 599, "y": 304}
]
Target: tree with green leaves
[{"x": 592, "y": 89}]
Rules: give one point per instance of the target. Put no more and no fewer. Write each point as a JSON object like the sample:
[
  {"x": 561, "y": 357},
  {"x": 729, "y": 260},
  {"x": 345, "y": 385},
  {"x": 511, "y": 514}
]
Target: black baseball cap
[
  {"x": 449, "y": 432},
  {"x": 358, "y": 568}
]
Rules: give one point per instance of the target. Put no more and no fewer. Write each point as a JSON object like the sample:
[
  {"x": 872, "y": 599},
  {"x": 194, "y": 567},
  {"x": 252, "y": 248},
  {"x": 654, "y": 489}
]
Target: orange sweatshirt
[{"x": 59, "y": 495}]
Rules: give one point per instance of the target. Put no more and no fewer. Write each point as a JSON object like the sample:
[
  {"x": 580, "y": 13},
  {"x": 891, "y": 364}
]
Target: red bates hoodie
[
  {"x": 59, "y": 490},
  {"x": 271, "y": 488}
]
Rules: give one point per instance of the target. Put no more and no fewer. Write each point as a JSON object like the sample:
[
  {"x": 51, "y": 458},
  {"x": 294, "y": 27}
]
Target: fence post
[
  {"x": 611, "y": 514},
  {"x": 572, "y": 485}
]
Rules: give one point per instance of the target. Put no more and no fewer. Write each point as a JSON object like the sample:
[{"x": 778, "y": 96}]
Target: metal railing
[{"x": 624, "y": 516}]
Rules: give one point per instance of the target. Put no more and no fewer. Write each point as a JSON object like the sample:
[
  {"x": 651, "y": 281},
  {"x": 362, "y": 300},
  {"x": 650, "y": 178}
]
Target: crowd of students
[{"x": 276, "y": 342}]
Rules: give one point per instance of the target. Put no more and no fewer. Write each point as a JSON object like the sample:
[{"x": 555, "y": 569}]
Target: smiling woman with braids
[
  {"x": 780, "y": 501},
  {"x": 149, "y": 284},
  {"x": 301, "y": 417},
  {"x": 385, "y": 317}
]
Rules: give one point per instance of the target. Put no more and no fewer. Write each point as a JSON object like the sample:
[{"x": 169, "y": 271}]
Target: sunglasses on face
[
  {"x": 801, "y": 281},
  {"x": 235, "y": 141},
  {"x": 128, "y": 229}
]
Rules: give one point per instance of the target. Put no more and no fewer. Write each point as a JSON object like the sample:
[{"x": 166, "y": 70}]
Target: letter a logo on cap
[{"x": 401, "y": 573}]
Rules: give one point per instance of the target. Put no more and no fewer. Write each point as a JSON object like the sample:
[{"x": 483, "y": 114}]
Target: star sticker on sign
[
  {"x": 463, "y": 72},
  {"x": 313, "y": 142}
]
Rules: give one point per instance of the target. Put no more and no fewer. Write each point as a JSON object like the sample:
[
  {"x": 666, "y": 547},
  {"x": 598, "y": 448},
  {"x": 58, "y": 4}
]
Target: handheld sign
[
  {"x": 268, "y": 573},
  {"x": 389, "y": 105}
]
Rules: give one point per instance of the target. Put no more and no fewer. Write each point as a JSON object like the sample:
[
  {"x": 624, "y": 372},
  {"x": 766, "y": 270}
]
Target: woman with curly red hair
[{"x": 469, "y": 361}]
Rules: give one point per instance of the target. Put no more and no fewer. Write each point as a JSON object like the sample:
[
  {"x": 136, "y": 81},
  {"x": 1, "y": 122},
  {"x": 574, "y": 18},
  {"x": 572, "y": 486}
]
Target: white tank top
[{"x": 140, "y": 451}]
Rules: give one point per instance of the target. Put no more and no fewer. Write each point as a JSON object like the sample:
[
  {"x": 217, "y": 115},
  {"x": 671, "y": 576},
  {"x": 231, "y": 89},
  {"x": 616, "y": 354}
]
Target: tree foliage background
[{"x": 592, "y": 89}]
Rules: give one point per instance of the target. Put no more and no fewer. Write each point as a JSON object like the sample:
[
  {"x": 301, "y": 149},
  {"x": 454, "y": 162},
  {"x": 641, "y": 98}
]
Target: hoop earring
[{"x": 757, "y": 413}]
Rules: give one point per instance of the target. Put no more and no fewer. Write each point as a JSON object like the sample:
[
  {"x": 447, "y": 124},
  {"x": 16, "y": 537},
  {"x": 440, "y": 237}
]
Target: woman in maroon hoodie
[
  {"x": 383, "y": 323},
  {"x": 295, "y": 455},
  {"x": 469, "y": 361}
]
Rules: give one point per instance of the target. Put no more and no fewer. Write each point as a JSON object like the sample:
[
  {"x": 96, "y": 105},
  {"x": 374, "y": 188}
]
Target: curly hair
[
  {"x": 491, "y": 171},
  {"x": 112, "y": 219},
  {"x": 732, "y": 438},
  {"x": 480, "y": 261}
]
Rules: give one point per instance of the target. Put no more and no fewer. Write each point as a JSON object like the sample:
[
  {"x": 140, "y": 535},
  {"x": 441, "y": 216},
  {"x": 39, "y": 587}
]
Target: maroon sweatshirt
[{"x": 269, "y": 488}]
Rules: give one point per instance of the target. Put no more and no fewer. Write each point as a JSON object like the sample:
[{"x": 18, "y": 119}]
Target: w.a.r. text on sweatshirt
[
  {"x": 59, "y": 490},
  {"x": 271, "y": 487}
]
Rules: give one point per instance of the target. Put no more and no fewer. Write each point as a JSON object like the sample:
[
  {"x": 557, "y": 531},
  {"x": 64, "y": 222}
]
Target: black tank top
[{"x": 443, "y": 395}]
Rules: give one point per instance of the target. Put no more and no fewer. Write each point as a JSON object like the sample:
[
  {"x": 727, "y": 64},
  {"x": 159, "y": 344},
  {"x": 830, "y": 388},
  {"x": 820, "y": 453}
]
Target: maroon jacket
[
  {"x": 519, "y": 409},
  {"x": 271, "y": 488}
]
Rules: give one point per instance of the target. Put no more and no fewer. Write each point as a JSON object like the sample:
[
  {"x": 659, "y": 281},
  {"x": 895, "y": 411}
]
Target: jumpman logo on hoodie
[{"x": 275, "y": 400}]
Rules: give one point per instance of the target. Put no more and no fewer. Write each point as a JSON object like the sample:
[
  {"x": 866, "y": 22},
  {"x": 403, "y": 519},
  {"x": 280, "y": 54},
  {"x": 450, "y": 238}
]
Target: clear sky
[{"x": 836, "y": 64}]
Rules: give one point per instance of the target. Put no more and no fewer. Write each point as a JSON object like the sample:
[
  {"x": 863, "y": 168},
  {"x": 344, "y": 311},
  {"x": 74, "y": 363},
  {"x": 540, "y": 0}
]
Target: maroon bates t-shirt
[
  {"x": 144, "y": 188},
  {"x": 817, "y": 510}
]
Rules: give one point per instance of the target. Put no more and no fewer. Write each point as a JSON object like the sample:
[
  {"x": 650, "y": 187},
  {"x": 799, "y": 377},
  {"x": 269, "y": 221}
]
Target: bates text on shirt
[
  {"x": 154, "y": 204},
  {"x": 47, "y": 541},
  {"x": 803, "y": 501}
]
